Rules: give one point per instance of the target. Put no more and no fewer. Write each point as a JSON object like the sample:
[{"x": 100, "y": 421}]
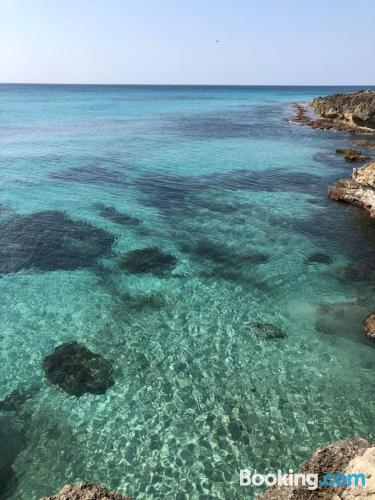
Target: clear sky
[{"x": 174, "y": 41}]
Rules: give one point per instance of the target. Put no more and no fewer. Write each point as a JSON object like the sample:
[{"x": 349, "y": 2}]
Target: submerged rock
[
  {"x": 347, "y": 457},
  {"x": 359, "y": 190},
  {"x": 50, "y": 241},
  {"x": 369, "y": 326},
  {"x": 76, "y": 370},
  {"x": 114, "y": 215},
  {"x": 148, "y": 260},
  {"x": 319, "y": 258},
  {"x": 352, "y": 154},
  {"x": 266, "y": 331},
  {"x": 87, "y": 491}
]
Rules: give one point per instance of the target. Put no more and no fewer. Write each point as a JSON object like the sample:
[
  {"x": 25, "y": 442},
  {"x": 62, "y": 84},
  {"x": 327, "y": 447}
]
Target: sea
[{"x": 184, "y": 234}]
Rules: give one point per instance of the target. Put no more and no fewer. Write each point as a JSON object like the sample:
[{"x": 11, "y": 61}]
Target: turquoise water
[{"x": 222, "y": 180}]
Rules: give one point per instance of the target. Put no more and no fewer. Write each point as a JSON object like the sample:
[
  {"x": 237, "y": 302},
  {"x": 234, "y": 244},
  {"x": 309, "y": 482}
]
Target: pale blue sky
[{"x": 174, "y": 41}]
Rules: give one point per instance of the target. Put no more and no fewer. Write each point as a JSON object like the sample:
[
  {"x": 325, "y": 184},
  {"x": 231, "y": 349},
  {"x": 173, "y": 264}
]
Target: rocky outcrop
[
  {"x": 369, "y": 326},
  {"x": 359, "y": 190},
  {"x": 364, "y": 143},
  {"x": 356, "y": 109},
  {"x": 350, "y": 456},
  {"x": 87, "y": 491},
  {"x": 350, "y": 112},
  {"x": 352, "y": 154}
]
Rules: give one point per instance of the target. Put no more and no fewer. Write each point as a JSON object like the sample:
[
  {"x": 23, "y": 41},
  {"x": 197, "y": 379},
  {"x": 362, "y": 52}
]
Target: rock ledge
[
  {"x": 359, "y": 190},
  {"x": 87, "y": 491}
]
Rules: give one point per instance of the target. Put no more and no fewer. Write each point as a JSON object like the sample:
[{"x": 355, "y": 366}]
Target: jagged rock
[
  {"x": 266, "y": 331},
  {"x": 356, "y": 455},
  {"x": 366, "y": 464},
  {"x": 359, "y": 190},
  {"x": 76, "y": 370},
  {"x": 352, "y": 154},
  {"x": 352, "y": 112},
  {"x": 87, "y": 491},
  {"x": 369, "y": 326},
  {"x": 356, "y": 109},
  {"x": 148, "y": 260}
]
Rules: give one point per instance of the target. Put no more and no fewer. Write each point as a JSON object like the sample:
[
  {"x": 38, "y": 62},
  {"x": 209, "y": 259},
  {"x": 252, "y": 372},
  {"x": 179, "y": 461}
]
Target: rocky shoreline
[
  {"x": 86, "y": 491},
  {"x": 351, "y": 112},
  {"x": 358, "y": 190},
  {"x": 351, "y": 456}
]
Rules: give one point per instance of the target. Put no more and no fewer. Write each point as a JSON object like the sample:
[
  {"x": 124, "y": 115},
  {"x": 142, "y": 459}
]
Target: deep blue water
[{"x": 219, "y": 178}]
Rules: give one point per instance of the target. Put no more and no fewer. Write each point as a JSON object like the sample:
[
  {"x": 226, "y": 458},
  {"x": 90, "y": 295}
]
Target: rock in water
[
  {"x": 352, "y": 154},
  {"x": 266, "y": 331},
  {"x": 148, "y": 260},
  {"x": 76, "y": 370},
  {"x": 87, "y": 491},
  {"x": 359, "y": 190},
  {"x": 364, "y": 143},
  {"x": 369, "y": 326}
]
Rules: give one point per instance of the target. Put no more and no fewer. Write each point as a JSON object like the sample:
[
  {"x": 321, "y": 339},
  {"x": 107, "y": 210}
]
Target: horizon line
[{"x": 192, "y": 84}]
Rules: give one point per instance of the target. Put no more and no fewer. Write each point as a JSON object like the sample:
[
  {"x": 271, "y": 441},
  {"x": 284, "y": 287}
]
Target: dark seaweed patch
[
  {"x": 206, "y": 249},
  {"x": 148, "y": 260},
  {"x": 225, "y": 262},
  {"x": 266, "y": 331},
  {"x": 17, "y": 398},
  {"x": 173, "y": 192},
  {"x": 114, "y": 215},
  {"x": 48, "y": 241},
  {"x": 12, "y": 441},
  {"x": 255, "y": 122},
  {"x": 77, "y": 371},
  {"x": 319, "y": 258},
  {"x": 222, "y": 254},
  {"x": 143, "y": 302},
  {"x": 90, "y": 175}
]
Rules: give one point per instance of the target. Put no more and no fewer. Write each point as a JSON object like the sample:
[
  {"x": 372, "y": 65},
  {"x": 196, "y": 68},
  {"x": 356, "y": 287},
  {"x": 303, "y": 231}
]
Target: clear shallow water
[{"x": 221, "y": 179}]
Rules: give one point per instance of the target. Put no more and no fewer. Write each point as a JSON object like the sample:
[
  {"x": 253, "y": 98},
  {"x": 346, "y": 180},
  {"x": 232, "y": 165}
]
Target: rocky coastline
[
  {"x": 351, "y": 112},
  {"x": 351, "y": 456},
  {"x": 86, "y": 491},
  {"x": 358, "y": 190}
]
